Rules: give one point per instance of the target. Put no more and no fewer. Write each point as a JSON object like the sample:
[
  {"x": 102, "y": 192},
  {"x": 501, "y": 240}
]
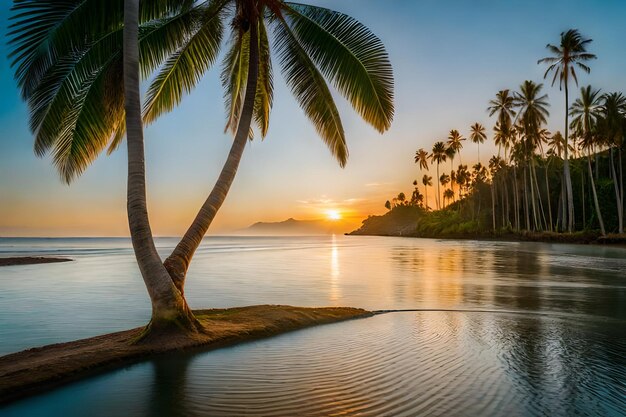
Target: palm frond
[
  {"x": 350, "y": 55},
  {"x": 185, "y": 67},
  {"x": 265, "y": 85},
  {"x": 234, "y": 76},
  {"x": 45, "y": 30},
  {"x": 310, "y": 89}
]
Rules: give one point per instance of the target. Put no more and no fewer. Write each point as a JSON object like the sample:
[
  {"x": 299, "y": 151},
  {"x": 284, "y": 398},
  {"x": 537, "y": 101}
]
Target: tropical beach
[{"x": 204, "y": 209}]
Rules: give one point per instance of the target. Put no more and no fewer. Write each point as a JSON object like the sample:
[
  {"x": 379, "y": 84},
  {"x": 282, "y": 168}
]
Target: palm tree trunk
[
  {"x": 566, "y": 171},
  {"x": 551, "y": 227},
  {"x": 621, "y": 186},
  {"x": 516, "y": 199},
  {"x": 595, "y": 196},
  {"x": 438, "y": 189},
  {"x": 539, "y": 199},
  {"x": 533, "y": 198},
  {"x": 493, "y": 204},
  {"x": 526, "y": 208},
  {"x": 168, "y": 304},
  {"x": 178, "y": 262},
  {"x": 582, "y": 190},
  {"x": 618, "y": 197}
]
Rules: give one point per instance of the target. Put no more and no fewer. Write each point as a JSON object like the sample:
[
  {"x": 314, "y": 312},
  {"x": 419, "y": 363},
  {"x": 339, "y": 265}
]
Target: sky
[{"x": 449, "y": 59}]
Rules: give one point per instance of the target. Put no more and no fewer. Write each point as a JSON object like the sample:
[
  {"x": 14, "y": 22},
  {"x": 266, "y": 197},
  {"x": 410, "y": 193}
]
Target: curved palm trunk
[
  {"x": 595, "y": 196},
  {"x": 551, "y": 226},
  {"x": 566, "y": 171},
  {"x": 168, "y": 304},
  {"x": 178, "y": 262}
]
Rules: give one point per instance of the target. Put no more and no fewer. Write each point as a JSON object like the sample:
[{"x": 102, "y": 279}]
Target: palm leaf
[
  {"x": 234, "y": 76},
  {"x": 265, "y": 86},
  {"x": 351, "y": 56},
  {"x": 185, "y": 67},
  {"x": 310, "y": 89}
]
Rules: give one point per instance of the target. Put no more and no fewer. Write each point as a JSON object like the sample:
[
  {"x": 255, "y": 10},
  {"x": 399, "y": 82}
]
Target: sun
[{"x": 333, "y": 215}]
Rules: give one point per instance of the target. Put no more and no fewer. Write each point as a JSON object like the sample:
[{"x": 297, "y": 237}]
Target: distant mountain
[{"x": 292, "y": 226}]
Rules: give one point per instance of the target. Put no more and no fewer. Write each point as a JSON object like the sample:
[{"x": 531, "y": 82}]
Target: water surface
[{"x": 544, "y": 334}]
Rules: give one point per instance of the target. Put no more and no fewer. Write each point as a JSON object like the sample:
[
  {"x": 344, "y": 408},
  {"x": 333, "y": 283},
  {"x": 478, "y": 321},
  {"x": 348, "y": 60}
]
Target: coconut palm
[
  {"x": 448, "y": 195},
  {"x": 427, "y": 180},
  {"x": 68, "y": 59},
  {"x": 585, "y": 112},
  {"x": 612, "y": 127},
  {"x": 444, "y": 180},
  {"x": 503, "y": 105},
  {"x": 387, "y": 205},
  {"x": 421, "y": 158},
  {"x": 563, "y": 62},
  {"x": 438, "y": 155},
  {"x": 455, "y": 142},
  {"x": 533, "y": 113},
  {"x": 478, "y": 135}
]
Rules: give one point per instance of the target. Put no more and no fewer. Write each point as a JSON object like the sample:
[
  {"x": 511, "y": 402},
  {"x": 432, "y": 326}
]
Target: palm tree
[
  {"x": 448, "y": 195},
  {"x": 401, "y": 198},
  {"x": 68, "y": 63},
  {"x": 503, "y": 105},
  {"x": 478, "y": 135},
  {"x": 455, "y": 142},
  {"x": 444, "y": 180},
  {"x": 585, "y": 112},
  {"x": 387, "y": 205},
  {"x": 533, "y": 114},
  {"x": 421, "y": 158},
  {"x": 571, "y": 53},
  {"x": 427, "y": 180},
  {"x": 438, "y": 155},
  {"x": 613, "y": 128}
]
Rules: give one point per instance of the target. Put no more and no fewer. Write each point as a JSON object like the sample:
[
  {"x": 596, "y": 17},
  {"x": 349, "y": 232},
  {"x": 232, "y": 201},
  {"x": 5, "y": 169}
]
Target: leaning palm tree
[
  {"x": 438, "y": 155},
  {"x": 569, "y": 55},
  {"x": 427, "y": 180},
  {"x": 585, "y": 112},
  {"x": 68, "y": 59},
  {"x": 478, "y": 135}
]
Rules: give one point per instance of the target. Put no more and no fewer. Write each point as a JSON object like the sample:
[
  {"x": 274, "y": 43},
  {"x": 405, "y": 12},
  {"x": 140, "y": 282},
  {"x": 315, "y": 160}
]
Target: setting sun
[{"x": 333, "y": 215}]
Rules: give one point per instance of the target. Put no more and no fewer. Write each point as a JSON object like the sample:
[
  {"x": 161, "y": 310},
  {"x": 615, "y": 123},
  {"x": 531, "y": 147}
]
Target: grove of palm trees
[{"x": 568, "y": 181}]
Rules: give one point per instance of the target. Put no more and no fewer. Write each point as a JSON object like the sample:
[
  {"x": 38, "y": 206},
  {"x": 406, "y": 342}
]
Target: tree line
[{"x": 539, "y": 180}]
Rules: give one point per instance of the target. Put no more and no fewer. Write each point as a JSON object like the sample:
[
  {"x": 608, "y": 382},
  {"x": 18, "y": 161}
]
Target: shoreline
[
  {"x": 36, "y": 370},
  {"x": 543, "y": 237},
  {"x": 32, "y": 260}
]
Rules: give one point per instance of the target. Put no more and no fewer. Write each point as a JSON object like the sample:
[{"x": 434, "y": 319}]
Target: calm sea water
[{"x": 515, "y": 329}]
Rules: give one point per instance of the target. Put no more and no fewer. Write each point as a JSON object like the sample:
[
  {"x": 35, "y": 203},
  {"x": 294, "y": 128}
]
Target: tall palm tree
[
  {"x": 585, "y": 112},
  {"x": 613, "y": 128},
  {"x": 438, "y": 155},
  {"x": 478, "y": 135},
  {"x": 565, "y": 58},
  {"x": 533, "y": 113},
  {"x": 503, "y": 106},
  {"x": 444, "y": 180},
  {"x": 421, "y": 158},
  {"x": 455, "y": 142},
  {"x": 427, "y": 180},
  {"x": 448, "y": 195},
  {"x": 68, "y": 58}
]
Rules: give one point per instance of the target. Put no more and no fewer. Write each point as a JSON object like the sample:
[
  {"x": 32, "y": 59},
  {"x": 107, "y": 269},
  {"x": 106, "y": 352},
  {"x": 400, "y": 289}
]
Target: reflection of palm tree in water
[{"x": 169, "y": 389}]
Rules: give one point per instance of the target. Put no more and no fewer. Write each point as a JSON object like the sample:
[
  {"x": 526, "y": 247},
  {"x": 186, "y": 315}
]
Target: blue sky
[{"x": 449, "y": 59}]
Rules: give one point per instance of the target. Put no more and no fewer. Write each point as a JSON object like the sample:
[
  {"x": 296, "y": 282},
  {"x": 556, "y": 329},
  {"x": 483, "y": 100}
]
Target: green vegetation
[{"x": 540, "y": 185}]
